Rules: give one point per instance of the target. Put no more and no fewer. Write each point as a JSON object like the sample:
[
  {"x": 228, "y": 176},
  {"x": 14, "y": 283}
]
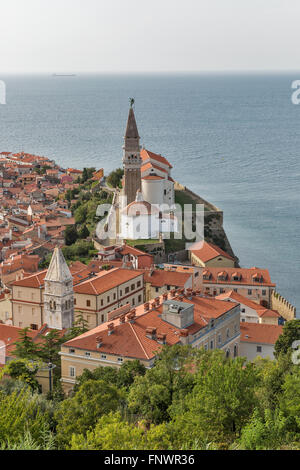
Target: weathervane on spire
[{"x": 131, "y": 101}]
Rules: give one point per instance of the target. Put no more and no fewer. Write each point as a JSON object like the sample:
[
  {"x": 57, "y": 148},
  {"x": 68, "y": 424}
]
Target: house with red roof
[
  {"x": 181, "y": 317},
  {"x": 258, "y": 340},
  {"x": 252, "y": 312},
  {"x": 207, "y": 254}
]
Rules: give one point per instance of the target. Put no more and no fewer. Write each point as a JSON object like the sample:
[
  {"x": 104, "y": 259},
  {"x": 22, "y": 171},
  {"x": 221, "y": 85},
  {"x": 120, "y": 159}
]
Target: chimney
[
  {"x": 157, "y": 301},
  {"x": 122, "y": 318},
  {"x": 184, "y": 336},
  {"x": 131, "y": 316},
  {"x": 110, "y": 328},
  {"x": 146, "y": 307},
  {"x": 161, "y": 338},
  {"x": 99, "y": 342},
  {"x": 151, "y": 332},
  {"x": 165, "y": 296}
]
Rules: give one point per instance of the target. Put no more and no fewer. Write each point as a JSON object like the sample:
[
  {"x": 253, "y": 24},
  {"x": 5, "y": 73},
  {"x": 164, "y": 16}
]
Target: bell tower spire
[
  {"x": 59, "y": 294},
  {"x": 132, "y": 161}
]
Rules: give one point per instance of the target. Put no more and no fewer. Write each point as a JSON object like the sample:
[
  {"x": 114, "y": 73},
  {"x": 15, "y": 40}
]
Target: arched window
[
  {"x": 235, "y": 351},
  {"x": 227, "y": 353}
]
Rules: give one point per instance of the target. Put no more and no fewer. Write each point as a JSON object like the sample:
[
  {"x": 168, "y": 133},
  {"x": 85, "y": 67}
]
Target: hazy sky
[{"x": 148, "y": 35}]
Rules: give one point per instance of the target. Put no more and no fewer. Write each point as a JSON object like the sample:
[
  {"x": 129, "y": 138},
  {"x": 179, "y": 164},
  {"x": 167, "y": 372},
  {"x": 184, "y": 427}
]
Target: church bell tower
[
  {"x": 132, "y": 161},
  {"x": 59, "y": 294}
]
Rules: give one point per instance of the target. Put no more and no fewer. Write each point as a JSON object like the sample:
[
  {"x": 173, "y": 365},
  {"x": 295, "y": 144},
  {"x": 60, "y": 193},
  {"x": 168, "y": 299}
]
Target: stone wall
[
  {"x": 282, "y": 306},
  {"x": 213, "y": 220}
]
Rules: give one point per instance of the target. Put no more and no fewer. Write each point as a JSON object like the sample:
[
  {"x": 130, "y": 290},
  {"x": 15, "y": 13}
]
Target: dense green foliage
[
  {"x": 190, "y": 399},
  {"x": 115, "y": 177}
]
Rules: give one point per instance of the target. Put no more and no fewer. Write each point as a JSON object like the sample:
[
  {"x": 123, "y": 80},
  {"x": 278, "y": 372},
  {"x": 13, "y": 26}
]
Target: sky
[{"x": 103, "y": 36}]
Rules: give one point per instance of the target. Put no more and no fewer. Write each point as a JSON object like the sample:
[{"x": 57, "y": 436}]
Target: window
[
  {"x": 156, "y": 289},
  {"x": 206, "y": 347},
  {"x": 114, "y": 296},
  {"x": 121, "y": 293},
  {"x": 103, "y": 356},
  {"x": 219, "y": 339},
  {"x": 88, "y": 354},
  {"x": 74, "y": 301},
  {"x": 212, "y": 344},
  {"x": 249, "y": 291},
  {"x": 258, "y": 348},
  {"x": 243, "y": 310},
  {"x": 227, "y": 333},
  {"x": 133, "y": 301},
  {"x": 126, "y": 290},
  {"x": 235, "y": 290},
  {"x": 108, "y": 299},
  {"x": 197, "y": 274},
  {"x": 120, "y": 359},
  {"x": 235, "y": 351},
  {"x": 72, "y": 371},
  {"x": 88, "y": 303},
  {"x": 138, "y": 284},
  {"x": 139, "y": 298},
  {"x": 101, "y": 302},
  {"x": 264, "y": 292},
  {"x": 33, "y": 326},
  {"x": 132, "y": 286},
  {"x": 102, "y": 318},
  {"x": 168, "y": 287},
  {"x": 71, "y": 351}
]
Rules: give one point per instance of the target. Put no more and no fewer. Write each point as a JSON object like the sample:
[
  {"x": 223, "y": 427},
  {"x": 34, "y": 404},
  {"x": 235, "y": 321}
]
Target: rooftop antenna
[{"x": 131, "y": 101}]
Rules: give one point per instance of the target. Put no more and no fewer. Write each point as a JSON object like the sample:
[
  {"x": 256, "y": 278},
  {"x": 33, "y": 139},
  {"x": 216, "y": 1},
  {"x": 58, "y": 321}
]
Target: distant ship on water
[{"x": 64, "y": 75}]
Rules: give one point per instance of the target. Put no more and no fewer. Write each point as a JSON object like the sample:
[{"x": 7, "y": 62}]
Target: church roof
[
  {"x": 131, "y": 128},
  {"x": 58, "y": 268}
]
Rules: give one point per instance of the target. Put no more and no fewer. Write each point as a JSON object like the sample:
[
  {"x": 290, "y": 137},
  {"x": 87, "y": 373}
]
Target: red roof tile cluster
[
  {"x": 260, "y": 333},
  {"x": 207, "y": 251}
]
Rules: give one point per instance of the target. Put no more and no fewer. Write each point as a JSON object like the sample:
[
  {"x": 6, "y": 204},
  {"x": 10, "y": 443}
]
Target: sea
[{"x": 232, "y": 138}]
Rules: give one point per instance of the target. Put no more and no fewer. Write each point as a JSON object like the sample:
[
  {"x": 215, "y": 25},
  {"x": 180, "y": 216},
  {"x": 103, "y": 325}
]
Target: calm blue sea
[{"x": 234, "y": 139}]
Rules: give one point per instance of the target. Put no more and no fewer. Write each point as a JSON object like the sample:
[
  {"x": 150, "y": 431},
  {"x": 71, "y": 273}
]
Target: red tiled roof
[
  {"x": 160, "y": 278},
  {"x": 129, "y": 339},
  {"x": 106, "y": 280},
  {"x": 261, "y": 311},
  {"x": 260, "y": 333},
  {"x": 146, "y": 155},
  {"x": 246, "y": 276},
  {"x": 208, "y": 251}
]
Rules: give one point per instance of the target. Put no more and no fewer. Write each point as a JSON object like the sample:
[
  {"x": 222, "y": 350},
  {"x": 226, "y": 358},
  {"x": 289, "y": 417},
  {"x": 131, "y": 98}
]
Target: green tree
[
  {"x": 264, "y": 433},
  {"x": 115, "y": 177},
  {"x": 21, "y": 412},
  {"x": 151, "y": 395},
  {"x": 128, "y": 371},
  {"x": 83, "y": 232},
  {"x": 24, "y": 371},
  {"x": 71, "y": 235},
  {"x": 290, "y": 400},
  {"x": 25, "y": 348},
  {"x": 111, "y": 432},
  {"x": 106, "y": 374},
  {"x": 291, "y": 333},
  {"x": 80, "y": 413},
  {"x": 79, "y": 327},
  {"x": 221, "y": 402}
]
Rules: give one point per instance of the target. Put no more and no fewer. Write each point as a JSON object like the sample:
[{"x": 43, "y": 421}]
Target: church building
[{"x": 147, "y": 185}]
